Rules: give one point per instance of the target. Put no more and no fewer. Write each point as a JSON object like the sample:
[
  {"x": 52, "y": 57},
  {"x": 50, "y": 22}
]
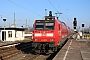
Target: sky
[{"x": 31, "y": 10}]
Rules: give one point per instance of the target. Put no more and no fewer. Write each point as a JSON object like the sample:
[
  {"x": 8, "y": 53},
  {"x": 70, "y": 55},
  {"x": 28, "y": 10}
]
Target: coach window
[{"x": 9, "y": 33}]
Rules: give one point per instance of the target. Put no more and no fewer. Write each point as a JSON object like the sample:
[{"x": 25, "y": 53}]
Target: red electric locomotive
[{"x": 49, "y": 34}]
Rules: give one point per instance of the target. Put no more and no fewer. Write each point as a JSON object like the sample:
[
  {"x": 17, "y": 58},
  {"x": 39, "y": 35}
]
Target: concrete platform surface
[{"x": 74, "y": 50}]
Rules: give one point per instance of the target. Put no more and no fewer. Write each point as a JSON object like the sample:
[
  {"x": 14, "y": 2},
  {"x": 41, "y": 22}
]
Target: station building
[{"x": 12, "y": 34}]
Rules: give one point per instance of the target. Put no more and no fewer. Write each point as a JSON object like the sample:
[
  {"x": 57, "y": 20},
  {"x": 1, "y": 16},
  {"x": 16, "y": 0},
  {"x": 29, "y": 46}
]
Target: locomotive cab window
[
  {"x": 49, "y": 26},
  {"x": 39, "y": 26},
  {"x": 44, "y": 25}
]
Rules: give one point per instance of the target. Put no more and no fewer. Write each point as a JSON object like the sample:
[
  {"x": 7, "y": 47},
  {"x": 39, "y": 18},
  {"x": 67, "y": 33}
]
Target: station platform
[
  {"x": 12, "y": 43},
  {"x": 7, "y": 43},
  {"x": 74, "y": 50}
]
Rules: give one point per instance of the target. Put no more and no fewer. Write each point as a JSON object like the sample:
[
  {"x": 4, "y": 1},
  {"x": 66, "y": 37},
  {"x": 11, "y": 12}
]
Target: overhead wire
[
  {"x": 53, "y": 5},
  {"x": 58, "y": 5},
  {"x": 23, "y": 7},
  {"x": 60, "y": 9},
  {"x": 32, "y": 4}
]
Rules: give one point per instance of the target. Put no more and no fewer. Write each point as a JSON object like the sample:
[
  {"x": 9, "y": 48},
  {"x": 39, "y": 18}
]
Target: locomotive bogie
[{"x": 44, "y": 47}]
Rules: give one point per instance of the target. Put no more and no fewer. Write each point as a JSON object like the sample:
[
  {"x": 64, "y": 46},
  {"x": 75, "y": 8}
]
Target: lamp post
[
  {"x": 4, "y": 28},
  {"x": 67, "y": 16},
  {"x": 1, "y": 16},
  {"x": 26, "y": 23},
  {"x": 89, "y": 29},
  {"x": 45, "y": 12}
]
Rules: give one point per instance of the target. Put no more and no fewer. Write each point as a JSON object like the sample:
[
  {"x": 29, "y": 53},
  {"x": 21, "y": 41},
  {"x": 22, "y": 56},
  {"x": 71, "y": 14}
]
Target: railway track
[
  {"x": 8, "y": 52},
  {"x": 13, "y": 52},
  {"x": 19, "y": 52},
  {"x": 22, "y": 52},
  {"x": 30, "y": 57}
]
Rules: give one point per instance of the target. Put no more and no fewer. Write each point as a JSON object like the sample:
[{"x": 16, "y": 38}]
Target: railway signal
[
  {"x": 75, "y": 22},
  {"x": 82, "y": 25}
]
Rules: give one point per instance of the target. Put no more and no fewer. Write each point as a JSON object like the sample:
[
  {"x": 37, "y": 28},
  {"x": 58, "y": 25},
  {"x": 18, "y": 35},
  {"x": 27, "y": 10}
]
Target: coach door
[{"x": 3, "y": 35}]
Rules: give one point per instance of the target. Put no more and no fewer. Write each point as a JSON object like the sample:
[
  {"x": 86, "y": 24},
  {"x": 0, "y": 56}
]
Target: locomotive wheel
[
  {"x": 50, "y": 51},
  {"x": 54, "y": 49},
  {"x": 37, "y": 51}
]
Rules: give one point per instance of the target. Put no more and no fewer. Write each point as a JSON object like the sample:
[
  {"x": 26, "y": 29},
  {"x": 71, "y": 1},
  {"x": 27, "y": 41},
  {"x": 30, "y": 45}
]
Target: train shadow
[{"x": 25, "y": 48}]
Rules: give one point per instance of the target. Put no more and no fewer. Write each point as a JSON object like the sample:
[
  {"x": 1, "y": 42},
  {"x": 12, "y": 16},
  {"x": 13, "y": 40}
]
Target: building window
[{"x": 9, "y": 33}]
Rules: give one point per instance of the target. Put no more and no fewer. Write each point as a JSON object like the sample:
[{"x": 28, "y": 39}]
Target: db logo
[{"x": 43, "y": 34}]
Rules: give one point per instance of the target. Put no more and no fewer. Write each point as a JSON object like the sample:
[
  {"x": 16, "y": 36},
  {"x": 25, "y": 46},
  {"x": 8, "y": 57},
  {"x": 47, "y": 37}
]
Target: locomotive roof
[
  {"x": 62, "y": 22},
  {"x": 38, "y": 21}
]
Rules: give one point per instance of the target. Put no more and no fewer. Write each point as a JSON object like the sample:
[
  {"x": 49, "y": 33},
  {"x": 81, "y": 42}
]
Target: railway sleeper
[{"x": 11, "y": 54}]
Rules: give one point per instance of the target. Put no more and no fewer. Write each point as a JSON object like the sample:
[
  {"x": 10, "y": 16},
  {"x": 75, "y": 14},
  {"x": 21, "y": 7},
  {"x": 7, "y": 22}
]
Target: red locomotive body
[{"x": 49, "y": 34}]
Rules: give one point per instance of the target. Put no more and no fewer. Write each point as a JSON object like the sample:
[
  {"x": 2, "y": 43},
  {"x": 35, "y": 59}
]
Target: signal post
[{"x": 75, "y": 25}]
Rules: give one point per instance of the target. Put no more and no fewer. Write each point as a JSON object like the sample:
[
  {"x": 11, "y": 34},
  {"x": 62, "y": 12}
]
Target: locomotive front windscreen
[
  {"x": 39, "y": 26},
  {"x": 44, "y": 25}
]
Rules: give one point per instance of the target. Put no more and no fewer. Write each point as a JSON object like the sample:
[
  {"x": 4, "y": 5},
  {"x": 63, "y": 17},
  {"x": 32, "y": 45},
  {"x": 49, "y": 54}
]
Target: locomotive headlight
[
  {"x": 50, "y": 34},
  {"x": 37, "y": 34},
  {"x": 51, "y": 40}
]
